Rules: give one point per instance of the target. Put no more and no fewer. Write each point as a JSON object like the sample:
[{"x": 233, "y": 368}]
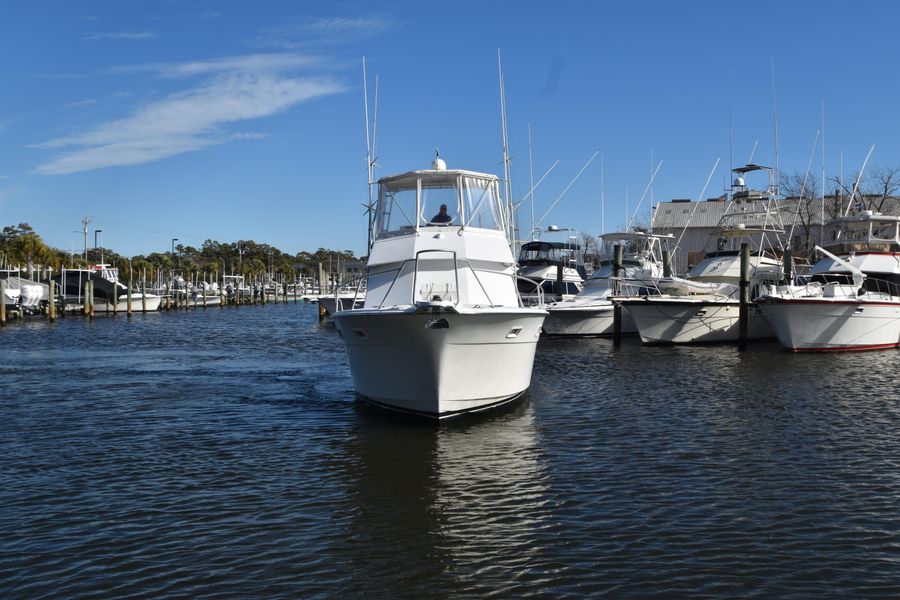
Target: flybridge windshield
[{"x": 406, "y": 204}]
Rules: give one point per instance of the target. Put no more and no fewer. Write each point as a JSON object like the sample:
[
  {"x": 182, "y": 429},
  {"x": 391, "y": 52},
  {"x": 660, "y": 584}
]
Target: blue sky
[{"x": 244, "y": 120}]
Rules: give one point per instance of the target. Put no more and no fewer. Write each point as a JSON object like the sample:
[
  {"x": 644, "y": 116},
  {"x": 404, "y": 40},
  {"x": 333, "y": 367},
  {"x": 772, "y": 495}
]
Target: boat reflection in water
[{"x": 461, "y": 506}]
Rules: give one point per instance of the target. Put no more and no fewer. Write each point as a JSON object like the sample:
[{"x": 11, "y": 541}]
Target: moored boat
[
  {"x": 443, "y": 330},
  {"x": 851, "y": 301}
]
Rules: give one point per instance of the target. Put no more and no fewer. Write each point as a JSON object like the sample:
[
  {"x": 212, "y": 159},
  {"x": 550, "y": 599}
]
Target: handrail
[
  {"x": 455, "y": 271},
  {"x": 399, "y": 270}
]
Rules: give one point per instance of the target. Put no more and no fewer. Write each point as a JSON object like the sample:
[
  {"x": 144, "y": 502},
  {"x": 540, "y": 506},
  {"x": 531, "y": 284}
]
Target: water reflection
[{"x": 459, "y": 506}]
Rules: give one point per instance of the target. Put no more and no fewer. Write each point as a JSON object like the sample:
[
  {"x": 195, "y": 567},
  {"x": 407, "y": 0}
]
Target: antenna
[
  {"x": 626, "y": 207},
  {"x": 641, "y": 201},
  {"x": 511, "y": 226},
  {"x": 696, "y": 204},
  {"x": 369, "y": 161},
  {"x": 531, "y": 179},
  {"x": 775, "y": 122},
  {"x": 602, "y": 199},
  {"x": 531, "y": 191},
  {"x": 803, "y": 188},
  {"x": 752, "y": 152},
  {"x": 563, "y": 193},
  {"x": 858, "y": 179},
  {"x": 728, "y": 187},
  {"x": 822, "y": 230}
]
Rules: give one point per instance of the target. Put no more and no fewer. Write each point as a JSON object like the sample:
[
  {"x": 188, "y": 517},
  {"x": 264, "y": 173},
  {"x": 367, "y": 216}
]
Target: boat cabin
[
  {"x": 443, "y": 198},
  {"x": 866, "y": 232}
]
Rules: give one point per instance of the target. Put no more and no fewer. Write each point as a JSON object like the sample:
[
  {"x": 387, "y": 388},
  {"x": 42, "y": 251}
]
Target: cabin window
[
  {"x": 396, "y": 210},
  {"x": 482, "y": 203},
  {"x": 435, "y": 195}
]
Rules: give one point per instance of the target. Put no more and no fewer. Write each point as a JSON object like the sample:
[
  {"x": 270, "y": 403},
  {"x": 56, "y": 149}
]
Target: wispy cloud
[
  {"x": 81, "y": 103},
  {"x": 188, "y": 120},
  {"x": 2, "y": 177},
  {"x": 251, "y": 63},
  {"x": 60, "y": 76},
  {"x": 330, "y": 30},
  {"x": 119, "y": 35}
]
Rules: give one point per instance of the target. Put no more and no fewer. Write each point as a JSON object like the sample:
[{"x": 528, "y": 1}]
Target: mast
[
  {"x": 369, "y": 214},
  {"x": 775, "y": 125},
  {"x": 822, "y": 230},
  {"x": 531, "y": 180},
  {"x": 511, "y": 226},
  {"x": 602, "y": 199}
]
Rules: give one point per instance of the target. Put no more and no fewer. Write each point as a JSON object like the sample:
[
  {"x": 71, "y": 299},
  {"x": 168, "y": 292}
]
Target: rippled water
[{"x": 221, "y": 453}]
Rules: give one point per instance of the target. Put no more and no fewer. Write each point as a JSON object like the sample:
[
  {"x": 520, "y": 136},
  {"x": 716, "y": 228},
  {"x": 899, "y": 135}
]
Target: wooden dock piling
[
  {"x": 744, "y": 290},
  {"x": 128, "y": 300},
  {"x": 618, "y": 257},
  {"x": 2, "y": 302},
  {"x": 667, "y": 263}
]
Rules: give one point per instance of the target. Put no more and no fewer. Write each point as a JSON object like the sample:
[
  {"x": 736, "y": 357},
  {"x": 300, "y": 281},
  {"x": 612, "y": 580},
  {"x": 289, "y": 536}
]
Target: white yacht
[
  {"x": 551, "y": 269},
  {"x": 851, "y": 301},
  {"x": 705, "y": 306},
  {"x": 590, "y": 312},
  {"x": 443, "y": 330}
]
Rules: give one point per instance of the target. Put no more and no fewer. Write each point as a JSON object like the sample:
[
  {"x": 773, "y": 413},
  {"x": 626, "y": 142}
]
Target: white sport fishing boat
[
  {"x": 851, "y": 301},
  {"x": 705, "y": 306},
  {"x": 590, "y": 312},
  {"x": 443, "y": 330}
]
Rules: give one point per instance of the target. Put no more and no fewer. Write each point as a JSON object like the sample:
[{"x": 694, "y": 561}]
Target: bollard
[
  {"x": 667, "y": 263},
  {"x": 618, "y": 256},
  {"x": 744, "y": 309},
  {"x": 2, "y": 302}
]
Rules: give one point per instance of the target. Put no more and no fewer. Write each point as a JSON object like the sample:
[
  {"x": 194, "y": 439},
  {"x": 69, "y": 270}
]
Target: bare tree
[
  {"x": 884, "y": 182},
  {"x": 804, "y": 206}
]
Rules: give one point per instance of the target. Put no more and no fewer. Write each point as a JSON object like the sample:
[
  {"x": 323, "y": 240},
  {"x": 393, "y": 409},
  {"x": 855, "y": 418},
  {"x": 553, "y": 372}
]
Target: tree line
[{"x": 22, "y": 247}]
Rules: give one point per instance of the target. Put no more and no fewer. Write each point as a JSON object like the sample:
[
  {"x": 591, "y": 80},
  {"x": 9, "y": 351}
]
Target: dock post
[
  {"x": 559, "y": 282},
  {"x": 618, "y": 257},
  {"x": 51, "y": 309},
  {"x": 128, "y": 301},
  {"x": 144, "y": 295},
  {"x": 2, "y": 302},
  {"x": 744, "y": 289},
  {"x": 667, "y": 263},
  {"x": 788, "y": 266}
]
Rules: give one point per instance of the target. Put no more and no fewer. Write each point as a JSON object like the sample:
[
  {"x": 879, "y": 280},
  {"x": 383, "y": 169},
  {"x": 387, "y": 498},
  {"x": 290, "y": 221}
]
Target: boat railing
[
  {"x": 840, "y": 285},
  {"x": 538, "y": 289},
  {"x": 454, "y": 294}
]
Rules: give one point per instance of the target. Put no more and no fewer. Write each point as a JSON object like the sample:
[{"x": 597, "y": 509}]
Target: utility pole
[{"x": 84, "y": 228}]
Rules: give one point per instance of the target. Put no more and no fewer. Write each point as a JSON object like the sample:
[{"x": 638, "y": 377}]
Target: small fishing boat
[{"x": 443, "y": 330}]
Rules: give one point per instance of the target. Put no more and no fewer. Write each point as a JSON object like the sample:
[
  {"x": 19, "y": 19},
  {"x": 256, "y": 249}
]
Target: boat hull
[
  {"x": 822, "y": 324},
  {"x": 104, "y": 306},
  {"x": 682, "y": 321},
  {"x": 593, "y": 320},
  {"x": 400, "y": 360}
]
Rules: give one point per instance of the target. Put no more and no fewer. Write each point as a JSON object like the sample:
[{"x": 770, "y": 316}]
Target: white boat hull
[
  {"x": 825, "y": 324},
  {"x": 105, "y": 306},
  {"x": 687, "y": 321},
  {"x": 596, "y": 319},
  {"x": 481, "y": 359}
]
